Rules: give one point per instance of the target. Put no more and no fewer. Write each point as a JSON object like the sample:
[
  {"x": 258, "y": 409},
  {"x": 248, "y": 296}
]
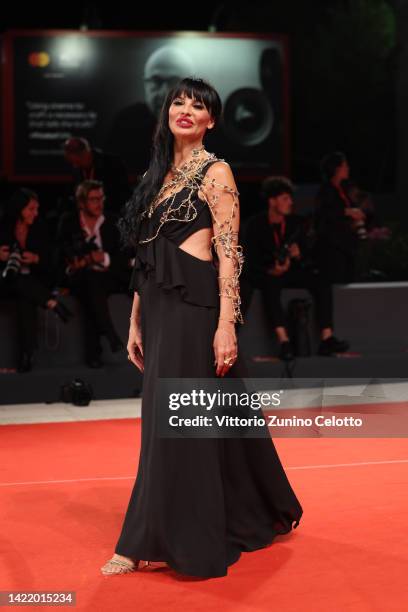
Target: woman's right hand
[
  {"x": 134, "y": 346},
  {"x": 4, "y": 252}
]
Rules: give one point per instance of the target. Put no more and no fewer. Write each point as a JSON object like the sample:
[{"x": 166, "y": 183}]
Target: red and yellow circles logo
[{"x": 39, "y": 60}]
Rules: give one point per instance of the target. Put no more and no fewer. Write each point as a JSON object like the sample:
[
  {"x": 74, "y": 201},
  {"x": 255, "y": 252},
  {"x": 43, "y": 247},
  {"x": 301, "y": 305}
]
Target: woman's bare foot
[{"x": 119, "y": 564}]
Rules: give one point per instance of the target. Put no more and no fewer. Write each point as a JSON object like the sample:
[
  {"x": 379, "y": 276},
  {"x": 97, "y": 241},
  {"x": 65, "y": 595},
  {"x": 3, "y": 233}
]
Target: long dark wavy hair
[
  {"x": 162, "y": 156},
  {"x": 15, "y": 205}
]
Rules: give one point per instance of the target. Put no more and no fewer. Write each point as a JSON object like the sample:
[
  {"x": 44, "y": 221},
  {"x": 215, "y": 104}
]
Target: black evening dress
[{"x": 197, "y": 503}]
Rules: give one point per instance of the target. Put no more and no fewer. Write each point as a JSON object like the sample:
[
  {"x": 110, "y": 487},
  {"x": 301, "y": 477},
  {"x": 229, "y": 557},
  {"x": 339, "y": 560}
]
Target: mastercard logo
[{"x": 39, "y": 60}]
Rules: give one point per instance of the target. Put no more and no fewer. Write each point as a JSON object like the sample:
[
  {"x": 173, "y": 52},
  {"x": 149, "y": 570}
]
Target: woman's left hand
[
  {"x": 225, "y": 349},
  {"x": 28, "y": 257}
]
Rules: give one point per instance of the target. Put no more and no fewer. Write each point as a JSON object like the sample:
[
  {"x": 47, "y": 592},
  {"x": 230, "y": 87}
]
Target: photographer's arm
[
  {"x": 114, "y": 256},
  {"x": 330, "y": 208},
  {"x": 39, "y": 249},
  {"x": 64, "y": 264},
  {"x": 278, "y": 269}
]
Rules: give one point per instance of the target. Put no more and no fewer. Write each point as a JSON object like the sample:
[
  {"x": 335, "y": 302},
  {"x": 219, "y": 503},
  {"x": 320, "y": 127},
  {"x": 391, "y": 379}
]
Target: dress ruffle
[{"x": 196, "y": 279}]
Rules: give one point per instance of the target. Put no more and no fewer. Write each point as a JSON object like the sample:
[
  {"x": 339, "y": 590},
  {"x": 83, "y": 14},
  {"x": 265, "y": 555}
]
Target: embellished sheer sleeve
[{"x": 220, "y": 192}]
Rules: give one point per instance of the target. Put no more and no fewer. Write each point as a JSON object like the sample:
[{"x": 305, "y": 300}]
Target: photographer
[
  {"x": 339, "y": 222},
  {"x": 369, "y": 231},
  {"x": 277, "y": 257},
  {"x": 90, "y": 163},
  {"x": 94, "y": 266},
  {"x": 25, "y": 250}
]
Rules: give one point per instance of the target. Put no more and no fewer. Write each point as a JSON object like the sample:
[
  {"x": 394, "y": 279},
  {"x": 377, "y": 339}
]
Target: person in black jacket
[
  {"x": 25, "y": 249},
  {"x": 93, "y": 265},
  {"x": 337, "y": 221},
  {"x": 275, "y": 244},
  {"x": 91, "y": 163}
]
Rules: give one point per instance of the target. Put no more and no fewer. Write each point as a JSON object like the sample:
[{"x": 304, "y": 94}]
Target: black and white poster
[{"x": 109, "y": 87}]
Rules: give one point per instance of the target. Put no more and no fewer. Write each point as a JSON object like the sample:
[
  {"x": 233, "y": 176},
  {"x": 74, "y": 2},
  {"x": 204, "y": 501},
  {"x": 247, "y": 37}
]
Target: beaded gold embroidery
[
  {"x": 226, "y": 238},
  {"x": 189, "y": 178}
]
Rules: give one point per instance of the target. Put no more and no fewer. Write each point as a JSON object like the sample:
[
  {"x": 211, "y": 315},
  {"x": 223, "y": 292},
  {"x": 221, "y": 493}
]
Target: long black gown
[{"x": 196, "y": 502}]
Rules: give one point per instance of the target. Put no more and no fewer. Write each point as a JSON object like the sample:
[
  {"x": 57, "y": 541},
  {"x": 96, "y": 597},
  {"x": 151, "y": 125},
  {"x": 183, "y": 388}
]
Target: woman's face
[
  {"x": 30, "y": 212},
  {"x": 189, "y": 118}
]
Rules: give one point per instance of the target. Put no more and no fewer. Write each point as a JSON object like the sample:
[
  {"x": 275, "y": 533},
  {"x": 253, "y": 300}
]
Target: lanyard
[
  {"x": 278, "y": 239},
  {"x": 343, "y": 196}
]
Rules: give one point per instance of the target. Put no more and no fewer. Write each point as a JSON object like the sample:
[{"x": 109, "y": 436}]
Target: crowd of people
[{"x": 82, "y": 254}]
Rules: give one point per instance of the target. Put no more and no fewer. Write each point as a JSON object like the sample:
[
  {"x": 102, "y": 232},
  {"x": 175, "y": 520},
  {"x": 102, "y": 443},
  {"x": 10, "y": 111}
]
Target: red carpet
[{"x": 348, "y": 553}]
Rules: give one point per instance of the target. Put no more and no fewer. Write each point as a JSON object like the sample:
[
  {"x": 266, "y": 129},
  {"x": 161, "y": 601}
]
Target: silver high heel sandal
[{"x": 149, "y": 566}]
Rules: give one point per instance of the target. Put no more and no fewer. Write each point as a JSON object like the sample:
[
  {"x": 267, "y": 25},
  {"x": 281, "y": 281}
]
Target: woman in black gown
[{"x": 196, "y": 503}]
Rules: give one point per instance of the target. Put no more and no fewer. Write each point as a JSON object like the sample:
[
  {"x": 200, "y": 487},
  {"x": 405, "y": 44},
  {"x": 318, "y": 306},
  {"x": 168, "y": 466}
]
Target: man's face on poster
[
  {"x": 157, "y": 87},
  {"x": 163, "y": 70}
]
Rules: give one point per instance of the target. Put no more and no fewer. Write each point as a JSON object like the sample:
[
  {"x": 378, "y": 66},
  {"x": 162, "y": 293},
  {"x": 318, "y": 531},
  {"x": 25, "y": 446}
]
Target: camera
[
  {"x": 282, "y": 253},
  {"x": 357, "y": 199},
  {"x": 360, "y": 229},
  {"x": 13, "y": 264},
  {"x": 77, "y": 392},
  {"x": 79, "y": 246}
]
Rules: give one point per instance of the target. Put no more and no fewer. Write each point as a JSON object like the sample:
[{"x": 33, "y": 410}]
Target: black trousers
[
  {"x": 29, "y": 292},
  {"x": 92, "y": 288},
  {"x": 271, "y": 288}
]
